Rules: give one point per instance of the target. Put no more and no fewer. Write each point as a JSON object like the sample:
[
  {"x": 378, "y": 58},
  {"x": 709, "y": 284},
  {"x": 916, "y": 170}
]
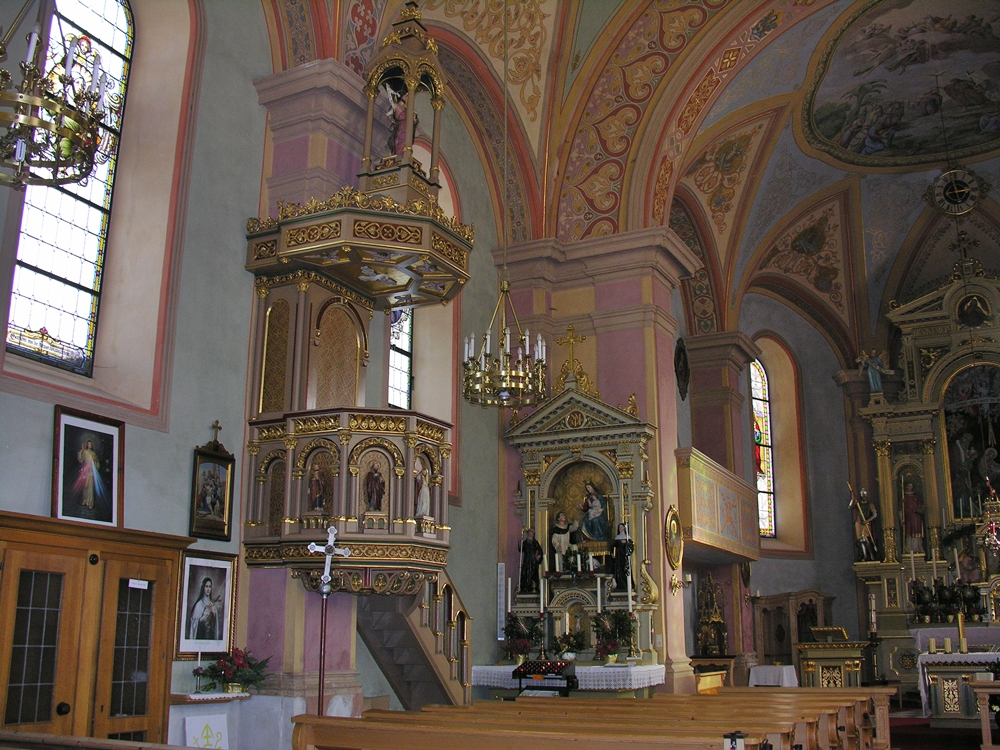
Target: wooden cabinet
[
  {"x": 783, "y": 620},
  {"x": 87, "y": 619}
]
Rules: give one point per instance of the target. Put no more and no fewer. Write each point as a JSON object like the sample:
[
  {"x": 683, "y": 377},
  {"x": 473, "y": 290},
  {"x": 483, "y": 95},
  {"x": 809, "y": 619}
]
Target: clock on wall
[{"x": 957, "y": 191}]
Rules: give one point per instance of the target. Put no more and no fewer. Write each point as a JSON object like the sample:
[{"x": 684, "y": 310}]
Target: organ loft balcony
[{"x": 381, "y": 477}]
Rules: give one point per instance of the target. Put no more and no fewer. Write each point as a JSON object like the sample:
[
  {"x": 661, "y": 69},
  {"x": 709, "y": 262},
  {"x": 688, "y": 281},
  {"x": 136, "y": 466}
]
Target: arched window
[
  {"x": 401, "y": 358},
  {"x": 56, "y": 291},
  {"x": 763, "y": 454}
]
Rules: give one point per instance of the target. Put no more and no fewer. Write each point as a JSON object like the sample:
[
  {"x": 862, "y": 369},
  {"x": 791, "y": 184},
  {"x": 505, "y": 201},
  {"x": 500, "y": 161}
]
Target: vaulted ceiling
[{"x": 790, "y": 143}]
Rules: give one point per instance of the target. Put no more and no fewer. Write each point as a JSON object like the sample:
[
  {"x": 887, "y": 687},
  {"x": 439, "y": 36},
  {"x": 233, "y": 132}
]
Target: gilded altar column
[
  {"x": 438, "y": 105},
  {"x": 260, "y": 324},
  {"x": 343, "y": 498},
  {"x": 886, "y": 509},
  {"x": 411, "y": 112},
  {"x": 932, "y": 503},
  {"x": 301, "y": 336}
]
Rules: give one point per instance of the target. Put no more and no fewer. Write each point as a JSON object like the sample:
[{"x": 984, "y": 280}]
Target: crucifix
[
  {"x": 325, "y": 589},
  {"x": 216, "y": 429},
  {"x": 570, "y": 339},
  {"x": 963, "y": 244}
]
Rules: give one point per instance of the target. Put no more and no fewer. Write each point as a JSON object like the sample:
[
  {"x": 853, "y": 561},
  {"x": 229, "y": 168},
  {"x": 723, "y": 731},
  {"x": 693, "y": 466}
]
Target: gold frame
[
  {"x": 213, "y": 453},
  {"x": 187, "y": 648},
  {"x": 673, "y": 539}
]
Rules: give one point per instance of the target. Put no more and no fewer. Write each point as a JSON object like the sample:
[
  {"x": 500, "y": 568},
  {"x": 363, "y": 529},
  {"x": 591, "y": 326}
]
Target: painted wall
[{"x": 829, "y": 568}]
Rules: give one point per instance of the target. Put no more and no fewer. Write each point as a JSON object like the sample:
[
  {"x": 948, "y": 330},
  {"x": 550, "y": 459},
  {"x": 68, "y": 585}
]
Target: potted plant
[
  {"x": 236, "y": 671},
  {"x": 520, "y": 636},
  {"x": 608, "y": 651},
  {"x": 570, "y": 643}
]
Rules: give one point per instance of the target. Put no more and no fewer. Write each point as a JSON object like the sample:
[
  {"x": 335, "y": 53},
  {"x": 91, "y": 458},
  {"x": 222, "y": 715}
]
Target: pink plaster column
[
  {"x": 630, "y": 277},
  {"x": 719, "y": 427}
]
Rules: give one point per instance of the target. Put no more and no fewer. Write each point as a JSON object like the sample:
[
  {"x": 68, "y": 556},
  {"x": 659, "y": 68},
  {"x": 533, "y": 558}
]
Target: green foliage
[
  {"x": 238, "y": 666},
  {"x": 521, "y": 634}
]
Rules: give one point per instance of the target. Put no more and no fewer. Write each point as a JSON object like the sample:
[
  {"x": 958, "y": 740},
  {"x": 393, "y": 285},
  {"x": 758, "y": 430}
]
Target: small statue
[
  {"x": 864, "y": 514},
  {"x": 875, "y": 364},
  {"x": 531, "y": 556}
]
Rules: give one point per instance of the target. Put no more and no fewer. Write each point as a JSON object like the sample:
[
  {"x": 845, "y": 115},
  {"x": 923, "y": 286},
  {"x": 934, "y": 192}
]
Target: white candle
[
  {"x": 629, "y": 580},
  {"x": 591, "y": 562},
  {"x": 913, "y": 565},
  {"x": 101, "y": 92},
  {"x": 566, "y": 622},
  {"x": 578, "y": 570},
  {"x": 932, "y": 645},
  {"x": 32, "y": 44},
  {"x": 487, "y": 349},
  {"x": 506, "y": 338},
  {"x": 510, "y": 594},
  {"x": 934, "y": 567},
  {"x": 558, "y": 562},
  {"x": 598, "y": 596},
  {"x": 71, "y": 57},
  {"x": 95, "y": 72},
  {"x": 541, "y": 597},
  {"x": 947, "y": 645},
  {"x": 199, "y": 658},
  {"x": 958, "y": 570},
  {"x": 526, "y": 340}
]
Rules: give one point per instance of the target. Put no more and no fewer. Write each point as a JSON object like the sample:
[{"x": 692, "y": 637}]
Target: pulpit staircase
[{"x": 421, "y": 643}]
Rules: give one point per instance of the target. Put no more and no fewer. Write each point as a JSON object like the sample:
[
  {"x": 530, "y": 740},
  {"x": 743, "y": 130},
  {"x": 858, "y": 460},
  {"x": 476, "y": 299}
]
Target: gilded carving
[
  {"x": 377, "y": 423},
  {"x": 311, "y": 425},
  {"x": 831, "y": 676},
  {"x": 385, "y": 232},
  {"x": 882, "y": 447},
  {"x": 929, "y": 357},
  {"x": 265, "y": 249},
  {"x": 927, "y": 445},
  {"x": 950, "y": 696},
  {"x": 375, "y": 442},
  {"x": 430, "y": 431},
  {"x": 889, "y": 544},
  {"x": 264, "y": 283},
  {"x": 385, "y": 180},
  {"x": 625, "y": 469},
  {"x": 449, "y": 250},
  {"x": 532, "y": 478},
  {"x": 908, "y": 659},
  {"x": 271, "y": 432},
  {"x": 317, "y": 444},
  {"x": 314, "y": 233}
]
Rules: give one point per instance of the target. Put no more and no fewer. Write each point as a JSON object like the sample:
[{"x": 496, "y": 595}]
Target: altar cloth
[{"x": 591, "y": 678}]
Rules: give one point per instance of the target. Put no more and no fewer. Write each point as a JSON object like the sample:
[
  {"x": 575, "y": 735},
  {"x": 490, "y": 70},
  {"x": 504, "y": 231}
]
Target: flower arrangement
[
  {"x": 606, "y": 648},
  {"x": 520, "y": 635},
  {"x": 574, "y": 642},
  {"x": 237, "y": 666}
]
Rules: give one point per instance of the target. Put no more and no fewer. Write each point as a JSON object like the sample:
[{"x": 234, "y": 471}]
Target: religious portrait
[
  {"x": 88, "y": 481},
  {"x": 205, "y": 611},
  {"x": 373, "y": 473},
  {"x": 583, "y": 493},
  {"x": 912, "y": 511},
  {"x": 212, "y": 492},
  {"x": 895, "y": 71},
  {"x": 972, "y": 419},
  {"x": 973, "y": 310},
  {"x": 320, "y": 482}
]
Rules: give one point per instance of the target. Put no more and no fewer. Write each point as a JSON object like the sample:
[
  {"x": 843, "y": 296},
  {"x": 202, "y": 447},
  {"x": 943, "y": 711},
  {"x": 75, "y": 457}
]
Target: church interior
[{"x": 408, "y": 347}]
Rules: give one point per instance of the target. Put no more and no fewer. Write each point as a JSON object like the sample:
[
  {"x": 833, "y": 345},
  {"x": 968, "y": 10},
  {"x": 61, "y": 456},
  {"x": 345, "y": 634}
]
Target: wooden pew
[
  {"x": 684, "y": 708},
  {"x": 427, "y": 731},
  {"x": 877, "y": 696}
]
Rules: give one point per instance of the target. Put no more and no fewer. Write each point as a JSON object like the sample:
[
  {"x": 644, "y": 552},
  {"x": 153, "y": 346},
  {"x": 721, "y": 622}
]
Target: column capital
[
  {"x": 723, "y": 349},
  {"x": 557, "y": 265}
]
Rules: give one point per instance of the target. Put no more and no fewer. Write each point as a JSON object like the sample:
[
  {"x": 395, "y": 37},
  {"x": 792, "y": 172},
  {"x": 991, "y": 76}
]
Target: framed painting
[
  {"x": 212, "y": 492},
  {"x": 207, "y": 600},
  {"x": 88, "y": 468}
]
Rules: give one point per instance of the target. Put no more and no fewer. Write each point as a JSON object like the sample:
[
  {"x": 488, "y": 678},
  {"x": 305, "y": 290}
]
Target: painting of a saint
[
  {"x": 87, "y": 471},
  {"x": 972, "y": 424},
  {"x": 898, "y": 68},
  {"x": 582, "y": 494}
]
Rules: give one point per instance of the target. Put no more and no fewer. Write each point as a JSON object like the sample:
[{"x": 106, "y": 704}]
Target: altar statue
[
  {"x": 864, "y": 514},
  {"x": 560, "y": 540},
  {"x": 913, "y": 520},
  {"x": 624, "y": 547},
  {"x": 531, "y": 556}
]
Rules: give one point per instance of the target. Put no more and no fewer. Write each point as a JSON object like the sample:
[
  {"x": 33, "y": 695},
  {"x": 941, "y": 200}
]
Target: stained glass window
[
  {"x": 763, "y": 454},
  {"x": 401, "y": 358},
  {"x": 60, "y": 254}
]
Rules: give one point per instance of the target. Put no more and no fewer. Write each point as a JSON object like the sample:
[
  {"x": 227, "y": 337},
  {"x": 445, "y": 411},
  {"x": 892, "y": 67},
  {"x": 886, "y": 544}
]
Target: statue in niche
[
  {"x": 531, "y": 556},
  {"x": 875, "y": 364},
  {"x": 561, "y": 541},
  {"x": 864, "y": 514},
  {"x": 397, "y": 121},
  {"x": 374, "y": 470},
  {"x": 624, "y": 547},
  {"x": 423, "y": 489},
  {"x": 913, "y": 518},
  {"x": 318, "y": 487}
]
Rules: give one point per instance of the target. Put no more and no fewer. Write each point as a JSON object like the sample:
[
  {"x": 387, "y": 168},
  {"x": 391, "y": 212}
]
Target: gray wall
[{"x": 829, "y": 568}]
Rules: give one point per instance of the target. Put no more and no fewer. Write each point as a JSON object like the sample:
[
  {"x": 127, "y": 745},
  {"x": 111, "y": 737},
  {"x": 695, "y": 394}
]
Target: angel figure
[{"x": 875, "y": 363}]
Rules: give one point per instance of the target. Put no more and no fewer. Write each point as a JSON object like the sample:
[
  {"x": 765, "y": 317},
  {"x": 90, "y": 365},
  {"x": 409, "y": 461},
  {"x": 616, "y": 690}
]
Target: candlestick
[
  {"x": 932, "y": 645},
  {"x": 947, "y": 645}
]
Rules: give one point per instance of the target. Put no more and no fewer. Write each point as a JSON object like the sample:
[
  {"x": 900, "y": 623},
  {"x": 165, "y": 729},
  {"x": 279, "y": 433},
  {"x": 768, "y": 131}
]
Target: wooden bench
[
  {"x": 873, "y": 701},
  {"x": 428, "y": 731}
]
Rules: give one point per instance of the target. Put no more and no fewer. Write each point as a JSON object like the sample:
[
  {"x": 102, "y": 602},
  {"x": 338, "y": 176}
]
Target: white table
[
  {"x": 773, "y": 676},
  {"x": 591, "y": 678}
]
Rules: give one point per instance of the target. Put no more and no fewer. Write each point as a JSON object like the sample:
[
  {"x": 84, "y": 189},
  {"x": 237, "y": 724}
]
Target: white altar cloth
[
  {"x": 924, "y": 659},
  {"x": 776, "y": 676},
  {"x": 591, "y": 678},
  {"x": 978, "y": 637}
]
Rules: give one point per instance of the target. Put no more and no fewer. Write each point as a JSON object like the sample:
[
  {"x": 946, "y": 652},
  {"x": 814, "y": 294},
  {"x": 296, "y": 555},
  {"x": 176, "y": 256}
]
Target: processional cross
[{"x": 330, "y": 549}]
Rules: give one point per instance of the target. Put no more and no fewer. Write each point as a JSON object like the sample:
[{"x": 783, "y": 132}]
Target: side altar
[{"x": 927, "y": 547}]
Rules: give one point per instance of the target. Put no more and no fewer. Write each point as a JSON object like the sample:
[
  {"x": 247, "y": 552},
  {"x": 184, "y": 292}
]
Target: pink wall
[
  {"x": 290, "y": 156},
  {"x": 266, "y": 619}
]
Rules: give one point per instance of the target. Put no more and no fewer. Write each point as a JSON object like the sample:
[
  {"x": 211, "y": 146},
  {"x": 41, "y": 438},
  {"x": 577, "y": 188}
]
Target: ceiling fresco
[{"x": 898, "y": 71}]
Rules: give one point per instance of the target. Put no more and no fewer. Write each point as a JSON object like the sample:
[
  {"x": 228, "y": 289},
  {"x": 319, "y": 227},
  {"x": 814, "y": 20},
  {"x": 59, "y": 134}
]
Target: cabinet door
[
  {"x": 134, "y": 652},
  {"x": 41, "y": 598}
]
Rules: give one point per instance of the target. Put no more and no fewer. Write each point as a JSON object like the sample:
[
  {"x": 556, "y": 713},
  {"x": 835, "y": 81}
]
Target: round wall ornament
[{"x": 673, "y": 538}]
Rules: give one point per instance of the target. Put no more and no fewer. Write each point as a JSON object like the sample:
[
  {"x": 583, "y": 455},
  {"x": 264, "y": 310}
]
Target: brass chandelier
[
  {"x": 52, "y": 118},
  {"x": 506, "y": 373}
]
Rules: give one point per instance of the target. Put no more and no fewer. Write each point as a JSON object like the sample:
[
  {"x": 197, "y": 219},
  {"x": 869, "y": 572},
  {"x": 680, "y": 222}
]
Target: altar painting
[
  {"x": 972, "y": 428},
  {"x": 585, "y": 493},
  {"x": 896, "y": 69}
]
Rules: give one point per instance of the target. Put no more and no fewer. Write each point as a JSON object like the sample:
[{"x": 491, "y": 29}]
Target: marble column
[{"x": 616, "y": 291}]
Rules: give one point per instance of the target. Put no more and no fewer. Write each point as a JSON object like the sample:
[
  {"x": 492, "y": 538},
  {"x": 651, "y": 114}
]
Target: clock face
[{"x": 956, "y": 192}]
